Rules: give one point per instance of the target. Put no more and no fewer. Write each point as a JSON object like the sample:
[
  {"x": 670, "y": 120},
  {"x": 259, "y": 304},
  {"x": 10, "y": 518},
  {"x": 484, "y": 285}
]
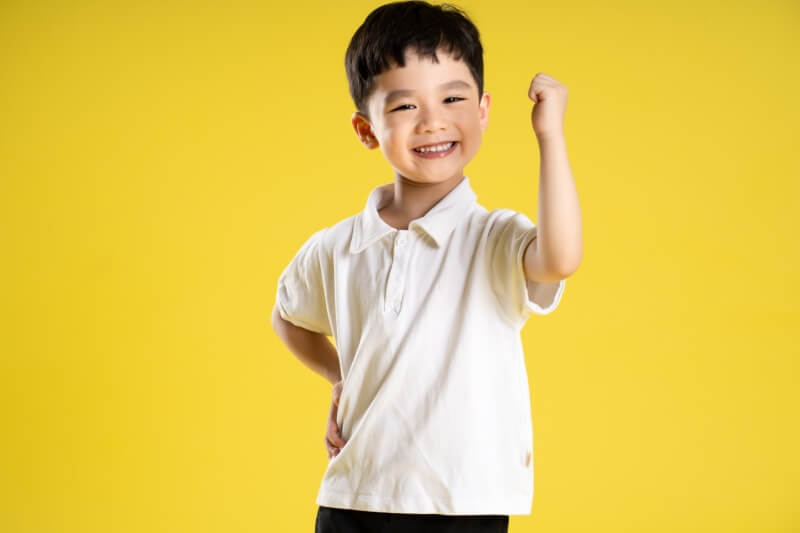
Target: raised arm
[{"x": 557, "y": 250}]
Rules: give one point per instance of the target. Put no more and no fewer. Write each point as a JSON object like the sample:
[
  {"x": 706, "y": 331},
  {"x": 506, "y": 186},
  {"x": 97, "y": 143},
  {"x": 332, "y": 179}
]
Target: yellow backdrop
[{"x": 161, "y": 162}]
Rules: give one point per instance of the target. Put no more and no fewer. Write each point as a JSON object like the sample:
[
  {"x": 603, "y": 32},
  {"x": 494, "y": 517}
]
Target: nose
[{"x": 430, "y": 120}]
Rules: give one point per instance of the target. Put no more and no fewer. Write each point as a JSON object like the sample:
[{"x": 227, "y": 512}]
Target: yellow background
[{"x": 161, "y": 162}]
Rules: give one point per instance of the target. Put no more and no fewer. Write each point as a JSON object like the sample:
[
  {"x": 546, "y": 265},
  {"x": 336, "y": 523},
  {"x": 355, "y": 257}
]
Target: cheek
[
  {"x": 472, "y": 143},
  {"x": 396, "y": 138}
]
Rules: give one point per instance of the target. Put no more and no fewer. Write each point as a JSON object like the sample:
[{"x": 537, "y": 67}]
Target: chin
[{"x": 425, "y": 179}]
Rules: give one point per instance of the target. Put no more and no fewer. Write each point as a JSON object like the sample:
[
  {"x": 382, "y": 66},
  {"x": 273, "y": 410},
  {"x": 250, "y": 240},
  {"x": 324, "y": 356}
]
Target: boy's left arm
[{"x": 556, "y": 251}]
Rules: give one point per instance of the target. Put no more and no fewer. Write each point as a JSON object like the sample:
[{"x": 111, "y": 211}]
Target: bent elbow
[{"x": 566, "y": 270}]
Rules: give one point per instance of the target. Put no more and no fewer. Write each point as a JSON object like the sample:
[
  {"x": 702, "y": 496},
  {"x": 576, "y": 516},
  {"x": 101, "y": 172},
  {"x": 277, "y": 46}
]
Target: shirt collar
[{"x": 438, "y": 222}]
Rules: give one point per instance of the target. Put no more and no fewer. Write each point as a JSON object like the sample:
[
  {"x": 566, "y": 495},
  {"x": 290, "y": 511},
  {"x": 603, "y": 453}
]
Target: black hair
[{"x": 390, "y": 29}]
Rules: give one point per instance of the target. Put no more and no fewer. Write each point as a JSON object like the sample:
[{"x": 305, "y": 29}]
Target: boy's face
[{"x": 430, "y": 113}]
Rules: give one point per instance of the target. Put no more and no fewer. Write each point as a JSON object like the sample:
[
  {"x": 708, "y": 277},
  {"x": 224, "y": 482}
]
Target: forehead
[{"x": 421, "y": 74}]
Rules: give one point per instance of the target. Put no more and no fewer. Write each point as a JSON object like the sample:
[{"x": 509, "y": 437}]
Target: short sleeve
[
  {"x": 519, "y": 297},
  {"x": 301, "y": 288}
]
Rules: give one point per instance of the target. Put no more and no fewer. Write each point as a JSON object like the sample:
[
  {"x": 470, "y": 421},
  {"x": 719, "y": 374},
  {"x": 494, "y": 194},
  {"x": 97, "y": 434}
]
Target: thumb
[{"x": 337, "y": 392}]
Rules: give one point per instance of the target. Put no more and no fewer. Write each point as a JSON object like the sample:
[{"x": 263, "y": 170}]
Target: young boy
[{"x": 425, "y": 291}]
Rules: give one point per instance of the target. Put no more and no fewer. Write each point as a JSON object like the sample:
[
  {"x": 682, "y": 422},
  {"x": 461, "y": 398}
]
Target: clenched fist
[{"x": 550, "y": 105}]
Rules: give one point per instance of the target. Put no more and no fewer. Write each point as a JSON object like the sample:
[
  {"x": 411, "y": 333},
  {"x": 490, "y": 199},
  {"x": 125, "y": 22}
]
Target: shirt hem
[{"x": 520, "y": 505}]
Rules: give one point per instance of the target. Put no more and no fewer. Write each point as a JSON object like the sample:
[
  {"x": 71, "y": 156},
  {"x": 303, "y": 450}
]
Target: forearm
[
  {"x": 559, "y": 234},
  {"x": 312, "y": 349}
]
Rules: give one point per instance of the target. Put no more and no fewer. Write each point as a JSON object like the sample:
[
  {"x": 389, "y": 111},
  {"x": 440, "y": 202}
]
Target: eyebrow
[{"x": 460, "y": 84}]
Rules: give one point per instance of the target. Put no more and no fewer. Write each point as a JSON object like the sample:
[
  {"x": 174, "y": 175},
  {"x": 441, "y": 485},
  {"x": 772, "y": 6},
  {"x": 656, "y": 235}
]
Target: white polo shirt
[{"x": 435, "y": 406}]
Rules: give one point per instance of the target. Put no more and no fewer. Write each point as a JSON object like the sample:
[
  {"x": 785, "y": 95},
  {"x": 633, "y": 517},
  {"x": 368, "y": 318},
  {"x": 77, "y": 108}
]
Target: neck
[{"x": 412, "y": 199}]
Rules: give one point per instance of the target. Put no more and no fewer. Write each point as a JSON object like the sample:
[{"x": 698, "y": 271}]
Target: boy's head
[{"x": 418, "y": 48}]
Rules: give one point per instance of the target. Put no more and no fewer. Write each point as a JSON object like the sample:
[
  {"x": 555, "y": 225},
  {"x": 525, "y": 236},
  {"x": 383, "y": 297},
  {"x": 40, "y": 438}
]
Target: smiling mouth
[{"x": 435, "y": 150}]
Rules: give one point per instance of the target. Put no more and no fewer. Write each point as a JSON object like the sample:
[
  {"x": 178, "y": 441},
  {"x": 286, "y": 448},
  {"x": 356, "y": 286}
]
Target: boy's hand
[
  {"x": 550, "y": 99},
  {"x": 333, "y": 436}
]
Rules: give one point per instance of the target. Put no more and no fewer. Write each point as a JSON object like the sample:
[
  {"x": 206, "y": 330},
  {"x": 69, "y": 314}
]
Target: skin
[
  {"x": 431, "y": 114},
  {"x": 557, "y": 250}
]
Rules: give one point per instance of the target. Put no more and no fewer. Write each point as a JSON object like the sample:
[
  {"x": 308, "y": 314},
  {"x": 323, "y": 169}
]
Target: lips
[
  {"x": 436, "y": 155},
  {"x": 432, "y": 144}
]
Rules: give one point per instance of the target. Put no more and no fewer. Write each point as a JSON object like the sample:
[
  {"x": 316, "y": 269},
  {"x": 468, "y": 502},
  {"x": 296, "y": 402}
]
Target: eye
[{"x": 456, "y": 98}]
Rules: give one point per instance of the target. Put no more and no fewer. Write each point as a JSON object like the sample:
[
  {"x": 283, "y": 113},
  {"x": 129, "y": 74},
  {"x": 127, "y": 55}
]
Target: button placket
[{"x": 396, "y": 282}]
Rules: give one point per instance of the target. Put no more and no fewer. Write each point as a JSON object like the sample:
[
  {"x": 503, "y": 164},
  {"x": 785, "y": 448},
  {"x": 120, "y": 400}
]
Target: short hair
[{"x": 392, "y": 28}]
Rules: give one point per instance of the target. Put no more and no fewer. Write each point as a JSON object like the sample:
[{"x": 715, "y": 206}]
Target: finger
[
  {"x": 332, "y": 449},
  {"x": 333, "y": 428},
  {"x": 337, "y": 440},
  {"x": 337, "y": 393},
  {"x": 335, "y": 435}
]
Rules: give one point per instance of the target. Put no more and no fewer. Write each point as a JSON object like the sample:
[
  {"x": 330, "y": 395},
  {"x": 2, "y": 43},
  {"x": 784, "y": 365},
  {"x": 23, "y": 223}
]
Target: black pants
[{"x": 334, "y": 520}]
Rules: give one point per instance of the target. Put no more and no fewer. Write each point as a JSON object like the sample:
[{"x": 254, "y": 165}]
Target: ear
[
  {"x": 364, "y": 130},
  {"x": 483, "y": 111}
]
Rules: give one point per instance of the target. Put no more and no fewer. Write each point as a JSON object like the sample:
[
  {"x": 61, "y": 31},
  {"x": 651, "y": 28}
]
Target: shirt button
[{"x": 401, "y": 241}]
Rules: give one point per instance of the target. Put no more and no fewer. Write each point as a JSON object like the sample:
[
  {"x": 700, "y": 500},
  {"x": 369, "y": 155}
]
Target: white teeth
[{"x": 436, "y": 148}]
